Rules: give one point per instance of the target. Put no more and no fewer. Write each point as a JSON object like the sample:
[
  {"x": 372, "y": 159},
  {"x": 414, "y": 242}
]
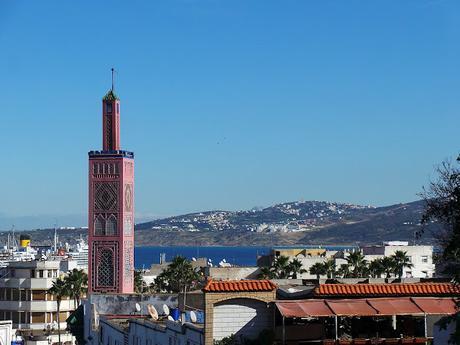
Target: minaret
[{"x": 111, "y": 207}]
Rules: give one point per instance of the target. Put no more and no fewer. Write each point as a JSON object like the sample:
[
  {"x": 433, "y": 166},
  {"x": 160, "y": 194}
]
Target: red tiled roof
[
  {"x": 381, "y": 290},
  {"x": 239, "y": 286}
]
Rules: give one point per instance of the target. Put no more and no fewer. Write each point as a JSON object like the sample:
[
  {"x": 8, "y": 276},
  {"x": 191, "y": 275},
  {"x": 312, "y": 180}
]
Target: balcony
[{"x": 36, "y": 306}]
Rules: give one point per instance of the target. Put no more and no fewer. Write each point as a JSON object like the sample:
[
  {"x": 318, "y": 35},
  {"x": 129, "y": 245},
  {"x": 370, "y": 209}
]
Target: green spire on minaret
[{"x": 110, "y": 96}]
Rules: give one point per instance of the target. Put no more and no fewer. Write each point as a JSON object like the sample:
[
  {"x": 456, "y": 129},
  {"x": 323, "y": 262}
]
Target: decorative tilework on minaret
[{"x": 111, "y": 208}]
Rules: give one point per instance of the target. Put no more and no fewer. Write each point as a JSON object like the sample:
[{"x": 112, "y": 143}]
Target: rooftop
[
  {"x": 239, "y": 286},
  {"x": 385, "y": 290}
]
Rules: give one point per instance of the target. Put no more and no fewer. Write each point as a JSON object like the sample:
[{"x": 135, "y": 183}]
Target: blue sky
[{"x": 228, "y": 104}]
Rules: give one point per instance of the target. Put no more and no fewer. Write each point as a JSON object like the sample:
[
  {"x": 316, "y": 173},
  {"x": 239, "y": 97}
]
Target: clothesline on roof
[{"x": 416, "y": 306}]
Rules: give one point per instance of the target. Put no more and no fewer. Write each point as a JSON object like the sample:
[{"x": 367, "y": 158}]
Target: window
[
  {"x": 425, "y": 258},
  {"x": 109, "y": 108},
  {"x": 409, "y": 258},
  {"x": 118, "y": 108},
  {"x": 50, "y": 274},
  {"x": 99, "y": 226},
  {"x": 12, "y": 273},
  {"x": 40, "y": 273},
  {"x": 111, "y": 226}
]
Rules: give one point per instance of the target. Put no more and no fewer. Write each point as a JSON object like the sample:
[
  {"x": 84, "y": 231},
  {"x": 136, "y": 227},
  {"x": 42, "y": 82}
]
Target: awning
[
  {"x": 395, "y": 306},
  {"x": 367, "y": 307},
  {"x": 351, "y": 307},
  {"x": 436, "y": 306},
  {"x": 308, "y": 308}
]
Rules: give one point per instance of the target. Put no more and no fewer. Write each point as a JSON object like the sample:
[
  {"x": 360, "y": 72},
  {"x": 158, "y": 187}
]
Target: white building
[
  {"x": 25, "y": 300},
  {"x": 421, "y": 257}
]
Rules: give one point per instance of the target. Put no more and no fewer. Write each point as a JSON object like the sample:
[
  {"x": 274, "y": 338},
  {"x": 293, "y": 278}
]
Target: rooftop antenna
[
  {"x": 113, "y": 79},
  {"x": 55, "y": 236}
]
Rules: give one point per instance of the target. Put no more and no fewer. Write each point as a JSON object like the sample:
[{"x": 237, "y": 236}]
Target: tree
[
  {"x": 295, "y": 267},
  {"x": 400, "y": 260},
  {"x": 266, "y": 273},
  {"x": 344, "y": 271},
  {"x": 329, "y": 268},
  {"x": 178, "y": 276},
  {"x": 139, "y": 284},
  {"x": 388, "y": 266},
  {"x": 442, "y": 205},
  {"x": 280, "y": 267},
  {"x": 318, "y": 269},
  {"x": 77, "y": 284},
  {"x": 357, "y": 264},
  {"x": 60, "y": 289},
  {"x": 376, "y": 268}
]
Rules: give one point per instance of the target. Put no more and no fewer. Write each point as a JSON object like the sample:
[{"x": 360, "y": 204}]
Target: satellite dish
[
  {"x": 193, "y": 317},
  {"x": 138, "y": 307},
  {"x": 193, "y": 259},
  {"x": 152, "y": 311},
  {"x": 165, "y": 309},
  {"x": 223, "y": 260},
  {"x": 170, "y": 318}
]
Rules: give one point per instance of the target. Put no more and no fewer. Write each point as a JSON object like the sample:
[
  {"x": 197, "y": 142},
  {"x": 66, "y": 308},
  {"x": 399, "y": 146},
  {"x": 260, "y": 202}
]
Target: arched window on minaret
[
  {"x": 111, "y": 226},
  {"x": 99, "y": 226}
]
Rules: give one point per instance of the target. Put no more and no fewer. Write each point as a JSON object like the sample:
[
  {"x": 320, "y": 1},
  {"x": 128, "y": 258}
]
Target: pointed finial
[{"x": 113, "y": 70}]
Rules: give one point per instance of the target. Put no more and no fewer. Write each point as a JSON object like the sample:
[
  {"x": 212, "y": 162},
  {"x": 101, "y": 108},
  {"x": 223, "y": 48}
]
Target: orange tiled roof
[
  {"x": 239, "y": 286},
  {"x": 414, "y": 289}
]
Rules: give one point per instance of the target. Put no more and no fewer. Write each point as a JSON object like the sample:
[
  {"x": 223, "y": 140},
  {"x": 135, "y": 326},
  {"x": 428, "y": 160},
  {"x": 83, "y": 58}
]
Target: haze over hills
[{"x": 301, "y": 222}]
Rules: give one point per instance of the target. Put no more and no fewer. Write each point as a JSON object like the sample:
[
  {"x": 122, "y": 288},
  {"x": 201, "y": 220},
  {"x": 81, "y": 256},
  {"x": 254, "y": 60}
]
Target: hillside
[{"x": 306, "y": 222}]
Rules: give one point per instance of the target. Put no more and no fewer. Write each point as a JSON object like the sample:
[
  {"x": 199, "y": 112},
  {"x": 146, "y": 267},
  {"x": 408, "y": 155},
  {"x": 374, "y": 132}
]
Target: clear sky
[{"x": 228, "y": 104}]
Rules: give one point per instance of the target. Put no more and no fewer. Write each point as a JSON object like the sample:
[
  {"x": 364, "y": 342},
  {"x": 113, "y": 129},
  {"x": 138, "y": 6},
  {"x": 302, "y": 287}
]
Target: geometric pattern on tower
[
  {"x": 105, "y": 196},
  {"x": 105, "y": 269},
  {"x": 128, "y": 197},
  {"x": 105, "y": 266}
]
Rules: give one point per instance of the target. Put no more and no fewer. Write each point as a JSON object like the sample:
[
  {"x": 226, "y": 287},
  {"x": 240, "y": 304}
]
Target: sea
[{"x": 144, "y": 257}]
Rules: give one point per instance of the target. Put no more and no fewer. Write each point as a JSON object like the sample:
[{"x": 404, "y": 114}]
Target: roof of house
[
  {"x": 239, "y": 286},
  {"x": 385, "y": 290}
]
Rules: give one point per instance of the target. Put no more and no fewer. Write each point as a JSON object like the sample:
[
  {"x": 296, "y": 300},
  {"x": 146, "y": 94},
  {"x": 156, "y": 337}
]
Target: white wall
[{"x": 241, "y": 317}]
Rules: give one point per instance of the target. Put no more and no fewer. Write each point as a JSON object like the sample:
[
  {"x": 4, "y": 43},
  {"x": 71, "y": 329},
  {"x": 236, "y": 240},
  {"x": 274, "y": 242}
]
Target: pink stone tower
[{"x": 111, "y": 208}]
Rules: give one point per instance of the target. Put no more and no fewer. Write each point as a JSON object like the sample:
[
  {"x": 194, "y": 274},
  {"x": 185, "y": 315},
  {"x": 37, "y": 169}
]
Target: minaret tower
[{"x": 111, "y": 207}]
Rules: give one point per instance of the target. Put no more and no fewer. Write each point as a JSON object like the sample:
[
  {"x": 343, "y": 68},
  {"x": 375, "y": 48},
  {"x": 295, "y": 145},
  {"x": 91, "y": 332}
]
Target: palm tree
[
  {"x": 329, "y": 267},
  {"x": 344, "y": 271},
  {"x": 318, "y": 269},
  {"x": 266, "y": 273},
  {"x": 376, "y": 268},
  {"x": 357, "y": 264},
  {"x": 388, "y": 266},
  {"x": 178, "y": 276},
  {"x": 401, "y": 260},
  {"x": 280, "y": 267},
  {"x": 77, "y": 284},
  {"x": 60, "y": 289},
  {"x": 295, "y": 267}
]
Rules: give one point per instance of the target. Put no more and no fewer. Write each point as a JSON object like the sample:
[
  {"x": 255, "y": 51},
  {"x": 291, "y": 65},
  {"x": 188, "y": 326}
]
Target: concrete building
[
  {"x": 135, "y": 331},
  {"x": 99, "y": 307},
  {"x": 25, "y": 300},
  {"x": 421, "y": 257},
  {"x": 242, "y": 308}
]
